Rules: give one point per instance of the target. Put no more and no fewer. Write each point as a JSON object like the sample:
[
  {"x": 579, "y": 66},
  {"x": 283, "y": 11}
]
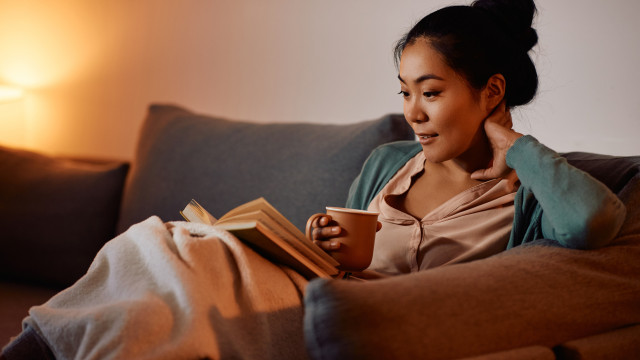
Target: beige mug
[{"x": 356, "y": 239}]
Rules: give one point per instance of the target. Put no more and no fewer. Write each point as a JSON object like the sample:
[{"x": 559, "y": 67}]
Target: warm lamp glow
[
  {"x": 46, "y": 49},
  {"x": 44, "y": 44},
  {"x": 8, "y": 93},
  {"x": 12, "y": 122}
]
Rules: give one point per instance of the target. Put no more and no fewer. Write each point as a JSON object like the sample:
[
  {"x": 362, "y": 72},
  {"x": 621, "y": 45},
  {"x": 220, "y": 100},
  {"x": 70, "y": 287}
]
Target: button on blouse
[{"x": 472, "y": 225}]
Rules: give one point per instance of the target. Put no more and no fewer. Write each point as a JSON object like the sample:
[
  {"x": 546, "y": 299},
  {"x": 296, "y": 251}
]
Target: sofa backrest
[
  {"x": 613, "y": 171},
  {"x": 622, "y": 175},
  {"x": 299, "y": 168}
]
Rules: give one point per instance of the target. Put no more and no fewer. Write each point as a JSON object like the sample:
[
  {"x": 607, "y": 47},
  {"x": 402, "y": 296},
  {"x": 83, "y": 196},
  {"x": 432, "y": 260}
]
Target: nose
[{"x": 413, "y": 112}]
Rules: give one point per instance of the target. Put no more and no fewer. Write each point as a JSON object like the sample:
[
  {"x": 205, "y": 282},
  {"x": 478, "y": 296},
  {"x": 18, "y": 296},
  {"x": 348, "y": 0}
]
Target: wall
[{"x": 90, "y": 68}]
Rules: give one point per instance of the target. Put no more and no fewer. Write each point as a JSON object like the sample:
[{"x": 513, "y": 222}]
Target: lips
[{"x": 426, "y": 139}]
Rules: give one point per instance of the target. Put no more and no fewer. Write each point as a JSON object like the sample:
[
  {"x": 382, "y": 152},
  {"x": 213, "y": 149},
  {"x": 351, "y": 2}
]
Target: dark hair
[{"x": 486, "y": 38}]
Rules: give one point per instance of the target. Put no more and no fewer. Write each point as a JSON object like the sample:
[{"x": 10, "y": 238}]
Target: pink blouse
[{"x": 472, "y": 225}]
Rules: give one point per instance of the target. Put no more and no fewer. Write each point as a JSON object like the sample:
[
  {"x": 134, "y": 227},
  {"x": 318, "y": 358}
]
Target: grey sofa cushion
[
  {"x": 55, "y": 215},
  {"x": 530, "y": 295},
  {"x": 613, "y": 171},
  {"x": 299, "y": 168}
]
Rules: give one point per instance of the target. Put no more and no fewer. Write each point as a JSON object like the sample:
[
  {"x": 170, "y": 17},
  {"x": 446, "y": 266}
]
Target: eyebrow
[{"x": 423, "y": 78}]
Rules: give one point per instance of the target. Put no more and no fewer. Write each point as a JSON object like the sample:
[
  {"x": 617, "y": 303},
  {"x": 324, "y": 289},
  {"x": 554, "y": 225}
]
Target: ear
[{"x": 493, "y": 92}]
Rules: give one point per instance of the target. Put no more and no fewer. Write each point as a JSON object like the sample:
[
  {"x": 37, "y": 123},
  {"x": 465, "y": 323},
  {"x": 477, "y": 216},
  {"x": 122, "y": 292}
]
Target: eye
[
  {"x": 404, "y": 94},
  {"x": 429, "y": 94}
]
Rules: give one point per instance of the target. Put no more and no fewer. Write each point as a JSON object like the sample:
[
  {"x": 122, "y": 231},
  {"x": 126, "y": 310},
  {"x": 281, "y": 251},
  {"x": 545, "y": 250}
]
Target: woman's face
[{"x": 444, "y": 111}]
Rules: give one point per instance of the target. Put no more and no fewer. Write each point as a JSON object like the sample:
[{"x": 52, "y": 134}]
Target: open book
[{"x": 267, "y": 231}]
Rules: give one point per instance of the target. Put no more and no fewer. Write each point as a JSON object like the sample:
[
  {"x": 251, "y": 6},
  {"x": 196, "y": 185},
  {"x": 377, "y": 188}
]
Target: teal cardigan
[{"x": 555, "y": 201}]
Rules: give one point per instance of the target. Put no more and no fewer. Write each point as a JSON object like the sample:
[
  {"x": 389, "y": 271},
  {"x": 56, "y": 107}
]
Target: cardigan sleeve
[
  {"x": 573, "y": 208},
  {"x": 378, "y": 169}
]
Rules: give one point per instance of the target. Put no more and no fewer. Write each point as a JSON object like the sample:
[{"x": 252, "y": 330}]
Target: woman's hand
[
  {"x": 325, "y": 232},
  {"x": 498, "y": 127}
]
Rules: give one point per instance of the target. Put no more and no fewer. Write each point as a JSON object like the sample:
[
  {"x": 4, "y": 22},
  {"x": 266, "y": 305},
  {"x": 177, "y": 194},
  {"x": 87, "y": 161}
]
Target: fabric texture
[
  {"x": 381, "y": 165},
  {"x": 299, "y": 168},
  {"x": 15, "y": 301},
  {"x": 617, "y": 344},
  {"x": 532, "y": 294},
  {"x": 55, "y": 215},
  {"x": 27, "y": 346},
  {"x": 472, "y": 225},
  {"x": 525, "y": 353},
  {"x": 587, "y": 215},
  {"x": 176, "y": 291},
  {"x": 479, "y": 307},
  {"x": 586, "y": 203}
]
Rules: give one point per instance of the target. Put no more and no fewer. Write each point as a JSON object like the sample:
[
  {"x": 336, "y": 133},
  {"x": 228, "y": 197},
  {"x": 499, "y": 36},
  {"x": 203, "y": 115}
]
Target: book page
[
  {"x": 261, "y": 204},
  {"x": 196, "y": 213},
  {"x": 282, "y": 233},
  {"x": 259, "y": 223},
  {"x": 272, "y": 246}
]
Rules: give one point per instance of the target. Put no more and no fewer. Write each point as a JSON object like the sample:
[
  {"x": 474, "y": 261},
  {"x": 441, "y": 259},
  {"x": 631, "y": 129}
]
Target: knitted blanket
[{"x": 176, "y": 291}]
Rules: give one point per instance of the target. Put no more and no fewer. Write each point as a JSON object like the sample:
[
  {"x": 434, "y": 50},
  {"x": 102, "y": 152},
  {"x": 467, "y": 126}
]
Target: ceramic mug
[{"x": 356, "y": 239}]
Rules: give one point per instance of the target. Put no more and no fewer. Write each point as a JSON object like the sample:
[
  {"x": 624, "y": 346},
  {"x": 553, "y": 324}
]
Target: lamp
[
  {"x": 12, "y": 125},
  {"x": 9, "y": 93}
]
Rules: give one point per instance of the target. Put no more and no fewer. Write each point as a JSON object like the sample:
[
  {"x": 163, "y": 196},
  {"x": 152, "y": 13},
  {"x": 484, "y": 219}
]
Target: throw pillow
[{"x": 55, "y": 215}]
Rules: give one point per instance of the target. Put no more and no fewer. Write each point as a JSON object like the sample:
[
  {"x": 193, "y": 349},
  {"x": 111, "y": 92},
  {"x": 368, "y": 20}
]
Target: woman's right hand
[
  {"x": 499, "y": 129},
  {"x": 324, "y": 232}
]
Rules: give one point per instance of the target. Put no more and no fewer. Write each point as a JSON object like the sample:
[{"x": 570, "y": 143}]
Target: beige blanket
[{"x": 176, "y": 291}]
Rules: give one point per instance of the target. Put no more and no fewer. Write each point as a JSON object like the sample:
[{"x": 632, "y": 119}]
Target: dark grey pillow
[
  {"x": 613, "y": 171},
  {"x": 299, "y": 168},
  {"x": 55, "y": 215}
]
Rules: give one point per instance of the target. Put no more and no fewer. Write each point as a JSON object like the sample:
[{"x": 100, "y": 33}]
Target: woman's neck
[
  {"x": 476, "y": 157},
  {"x": 450, "y": 171}
]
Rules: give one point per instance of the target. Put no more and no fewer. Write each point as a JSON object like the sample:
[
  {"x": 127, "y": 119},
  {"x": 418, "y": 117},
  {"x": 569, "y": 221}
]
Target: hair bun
[{"x": 515, "y": 17}]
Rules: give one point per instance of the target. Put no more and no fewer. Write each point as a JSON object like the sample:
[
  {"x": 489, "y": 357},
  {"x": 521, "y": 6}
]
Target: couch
[{"x": 58, "y": 212}]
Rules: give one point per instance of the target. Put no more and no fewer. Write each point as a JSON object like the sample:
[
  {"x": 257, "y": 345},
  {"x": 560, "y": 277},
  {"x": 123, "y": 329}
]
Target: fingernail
[
  {"x": 333, "y": 244},
  {"x": 335, "y": 230}
]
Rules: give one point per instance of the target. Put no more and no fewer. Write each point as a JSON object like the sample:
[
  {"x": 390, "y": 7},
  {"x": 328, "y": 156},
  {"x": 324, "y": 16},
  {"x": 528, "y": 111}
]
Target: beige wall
[{"x": 90, "y": 68}]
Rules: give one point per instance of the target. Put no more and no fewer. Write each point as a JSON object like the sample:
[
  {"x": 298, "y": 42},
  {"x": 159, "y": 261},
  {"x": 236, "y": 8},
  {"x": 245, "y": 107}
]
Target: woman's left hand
[{"x": 498, "y": 127}]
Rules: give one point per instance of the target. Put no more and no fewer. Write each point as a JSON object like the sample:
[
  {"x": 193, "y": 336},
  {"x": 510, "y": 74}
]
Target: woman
[
  {"x": 471, "y": 188},
  {"x": 460, "y": 72},
  {"x": 450, "y": 199}
]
